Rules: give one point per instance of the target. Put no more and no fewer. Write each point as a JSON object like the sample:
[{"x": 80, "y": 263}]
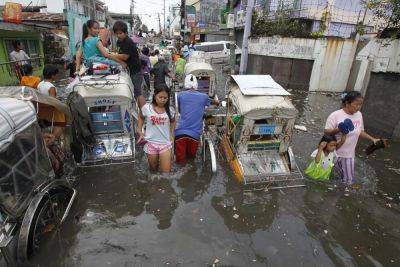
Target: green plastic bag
[{"x": 317, "y": 172}]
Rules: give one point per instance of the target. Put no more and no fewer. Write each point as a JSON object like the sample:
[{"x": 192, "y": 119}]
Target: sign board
[
  {"x": 190, "y": 16},
  {"x": 191, "y": 20},
  {"x": 12, "y": 13},
  {"x": 240, "y": 18},
  {"x": 230, "y": 21}
]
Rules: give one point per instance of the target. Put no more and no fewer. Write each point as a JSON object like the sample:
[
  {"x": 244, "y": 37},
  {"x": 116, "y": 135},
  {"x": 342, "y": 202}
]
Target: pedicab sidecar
[
  {"x": 258, "y": 131},
  {"x": 33, "y": 201},
  {"x": 112, "y": 110}
]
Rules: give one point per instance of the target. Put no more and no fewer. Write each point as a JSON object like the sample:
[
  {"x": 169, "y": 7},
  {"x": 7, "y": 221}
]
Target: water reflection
[
  {"x": 348, "y": 233},
  {"x": 245, "y": 211},
  {"x": 193, "y": 184},
  {"x": 162, "y": 202}
]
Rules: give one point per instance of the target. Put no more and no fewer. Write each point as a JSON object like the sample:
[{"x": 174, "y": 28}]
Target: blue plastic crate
[
  {"x": 105, "y": 116},
  {"x": 108, "y": 127}
]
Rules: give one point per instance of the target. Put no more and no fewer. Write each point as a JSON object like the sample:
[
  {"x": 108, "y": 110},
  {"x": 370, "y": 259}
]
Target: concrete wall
[
  {"x": 376, "y": 55},
  {"x": 376, "y": 74},
  {"x": 288, "y": 72},
  {"x": 333, "y": 58},
  {"x": 381, "y": 109},
  {"x": 222, "y": 35}
]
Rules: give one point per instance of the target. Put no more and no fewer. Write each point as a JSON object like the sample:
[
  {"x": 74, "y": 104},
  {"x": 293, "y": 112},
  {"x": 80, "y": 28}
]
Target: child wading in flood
[
  {"x": 324, "y": 158},
  {"x": 160, "y": 124}
]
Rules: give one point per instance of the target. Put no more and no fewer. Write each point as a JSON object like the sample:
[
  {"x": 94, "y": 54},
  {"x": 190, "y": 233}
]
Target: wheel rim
[{"x": 47, "y": 221}]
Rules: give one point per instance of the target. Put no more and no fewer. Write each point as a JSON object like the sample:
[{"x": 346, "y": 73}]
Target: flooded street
[{"x": 124, "y": 216}]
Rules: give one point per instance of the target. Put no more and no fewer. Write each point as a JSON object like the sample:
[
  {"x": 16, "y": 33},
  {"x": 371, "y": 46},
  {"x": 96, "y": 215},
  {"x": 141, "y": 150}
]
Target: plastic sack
[{"x": 317, "y": 172}]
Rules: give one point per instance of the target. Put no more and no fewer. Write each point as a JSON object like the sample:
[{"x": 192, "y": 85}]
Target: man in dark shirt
[
  {"x": 128, "y": 52},
  {"x": 160, "y": 71}
]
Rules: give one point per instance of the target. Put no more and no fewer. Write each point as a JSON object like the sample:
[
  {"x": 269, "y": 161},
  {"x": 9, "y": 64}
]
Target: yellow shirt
[{"x": 30, "y": 81}]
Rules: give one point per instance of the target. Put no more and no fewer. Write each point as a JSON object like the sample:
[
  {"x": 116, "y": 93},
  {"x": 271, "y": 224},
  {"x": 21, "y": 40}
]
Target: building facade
[{"x": 327, "y": 18}]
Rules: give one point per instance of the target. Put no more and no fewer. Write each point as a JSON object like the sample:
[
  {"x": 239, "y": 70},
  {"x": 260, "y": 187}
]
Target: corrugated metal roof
[{"x": 48, "y": 17}]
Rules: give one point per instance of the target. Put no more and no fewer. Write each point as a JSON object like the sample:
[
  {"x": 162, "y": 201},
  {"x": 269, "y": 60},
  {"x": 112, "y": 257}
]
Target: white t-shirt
[
  {"x": 157, "y": 125},
  {"x": 326, "y": 161},
  {"x": 347, "y": 150},
  {"x": 19, "y": 56},
  {"x": 44, "y": 87}
]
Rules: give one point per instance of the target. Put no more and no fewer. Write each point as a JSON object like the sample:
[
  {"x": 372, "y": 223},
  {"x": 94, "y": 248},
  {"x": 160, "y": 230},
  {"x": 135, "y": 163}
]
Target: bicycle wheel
[{"x": 208, "y": 154}]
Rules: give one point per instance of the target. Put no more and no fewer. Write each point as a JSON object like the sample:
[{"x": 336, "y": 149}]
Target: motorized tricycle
[
  {"x": 34, "y": 202},
  {"x": 258, "y": 131},
  {"x": 112, "y": 110}
]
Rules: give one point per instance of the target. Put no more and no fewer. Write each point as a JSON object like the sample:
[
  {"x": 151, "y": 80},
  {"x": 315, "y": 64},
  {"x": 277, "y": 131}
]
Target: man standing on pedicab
[{"x": 191, "y": 106}]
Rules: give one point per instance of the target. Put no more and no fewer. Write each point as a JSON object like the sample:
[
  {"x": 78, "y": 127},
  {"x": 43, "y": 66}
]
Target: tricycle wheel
[
  {"x": 46, "y": 219},
  {"x": 208, "y": 154}
]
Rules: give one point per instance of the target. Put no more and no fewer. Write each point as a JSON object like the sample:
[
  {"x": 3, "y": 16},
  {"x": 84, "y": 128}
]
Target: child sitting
[
  {"x": 28, "y": 79},
  {"x": 47, "y": 114},
  {"x": 92, "y": 49},
  {"x": 324, "y": 157}
]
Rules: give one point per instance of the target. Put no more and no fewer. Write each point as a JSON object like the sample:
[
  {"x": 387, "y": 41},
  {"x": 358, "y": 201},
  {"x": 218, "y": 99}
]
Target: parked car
[{"x": 218, "y": 51}]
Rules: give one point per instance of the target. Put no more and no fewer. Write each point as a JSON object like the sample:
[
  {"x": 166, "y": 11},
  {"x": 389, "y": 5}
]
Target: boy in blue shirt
[{"x": 191, "y": 104}]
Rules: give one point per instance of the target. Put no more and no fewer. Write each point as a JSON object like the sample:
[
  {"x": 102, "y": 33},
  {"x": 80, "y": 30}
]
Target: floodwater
[{"x": 124, "y": 216}]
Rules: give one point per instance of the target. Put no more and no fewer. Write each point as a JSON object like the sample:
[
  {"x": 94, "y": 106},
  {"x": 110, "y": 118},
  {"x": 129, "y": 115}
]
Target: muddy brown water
[{"x": 125, "y": 216}]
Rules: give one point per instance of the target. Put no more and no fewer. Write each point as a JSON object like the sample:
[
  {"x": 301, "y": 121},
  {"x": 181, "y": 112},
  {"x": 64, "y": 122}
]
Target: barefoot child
[
  {"x": 160, "y": 124},
  {"x": 324, "y": 158}
]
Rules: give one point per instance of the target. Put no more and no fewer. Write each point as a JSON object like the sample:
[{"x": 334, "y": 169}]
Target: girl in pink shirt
[{"x": 349, "y": 121}]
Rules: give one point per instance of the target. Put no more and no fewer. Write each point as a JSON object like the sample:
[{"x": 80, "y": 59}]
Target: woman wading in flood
[{"x": 348, "y": 121}]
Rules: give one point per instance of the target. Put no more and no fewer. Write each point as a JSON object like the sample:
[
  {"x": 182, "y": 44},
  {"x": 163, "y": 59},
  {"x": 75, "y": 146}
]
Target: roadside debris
[{"x": 301, "y": 128}]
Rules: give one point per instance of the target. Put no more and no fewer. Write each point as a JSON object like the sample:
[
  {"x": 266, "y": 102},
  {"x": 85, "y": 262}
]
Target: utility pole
[
  {"x": 183, "y": 16},
  {"x": 132, "y": 16},
  {"x": 159, "y": 22},
  {"x": 247, "y": 30},
  {"x": 164, "y": 22},
  {"x": 232, "y": 59}
]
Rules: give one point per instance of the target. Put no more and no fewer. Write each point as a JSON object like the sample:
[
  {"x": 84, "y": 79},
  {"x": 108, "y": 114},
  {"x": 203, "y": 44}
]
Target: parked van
[{"x": 218, "y": 51}]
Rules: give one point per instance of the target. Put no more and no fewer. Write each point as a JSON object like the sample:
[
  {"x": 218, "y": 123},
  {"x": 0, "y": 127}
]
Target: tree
[
  {"x": 145, "y": 28},
  {"x": 387, "y": 12},
  {"x": 138, "y": 23}
]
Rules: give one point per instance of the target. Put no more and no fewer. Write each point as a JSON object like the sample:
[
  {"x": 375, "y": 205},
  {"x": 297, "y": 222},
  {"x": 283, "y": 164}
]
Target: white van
[{"x": 218, "y": 51}]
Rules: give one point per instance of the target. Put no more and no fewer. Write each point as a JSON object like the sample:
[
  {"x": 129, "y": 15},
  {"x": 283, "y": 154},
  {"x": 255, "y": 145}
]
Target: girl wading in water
[
  {"x": 160, "y": 124},
  {"x": 348, "y": 121}
]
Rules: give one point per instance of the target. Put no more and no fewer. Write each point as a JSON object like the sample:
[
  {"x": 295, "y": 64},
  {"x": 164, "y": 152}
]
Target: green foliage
[
  {"x": 280, "y": 24},
  {"x": 360, "y": 28},
  {"x": 145, "y": 28},
  {"x": 387, "y": 12}
]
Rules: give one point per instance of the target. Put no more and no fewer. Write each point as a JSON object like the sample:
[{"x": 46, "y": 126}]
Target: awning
[
  {"x": 259, "y": 85},
  {"x": 15, "y": 116},
  {"x": 261, "y": 107},
  {"x": 26, "y": 93}
]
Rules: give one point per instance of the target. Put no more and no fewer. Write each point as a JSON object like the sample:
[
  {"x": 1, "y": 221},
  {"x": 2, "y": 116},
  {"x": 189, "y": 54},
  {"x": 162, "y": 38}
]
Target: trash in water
[
  {"x": 326, "y": 232},
  {"x": 236, "y": 216},
  {"x": 215, "y": 264},
  {"x": 301, "y": 128}
]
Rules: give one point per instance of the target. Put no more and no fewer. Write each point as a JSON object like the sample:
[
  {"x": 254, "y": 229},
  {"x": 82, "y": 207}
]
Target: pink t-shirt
[{"x": 347, "y": 150}]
